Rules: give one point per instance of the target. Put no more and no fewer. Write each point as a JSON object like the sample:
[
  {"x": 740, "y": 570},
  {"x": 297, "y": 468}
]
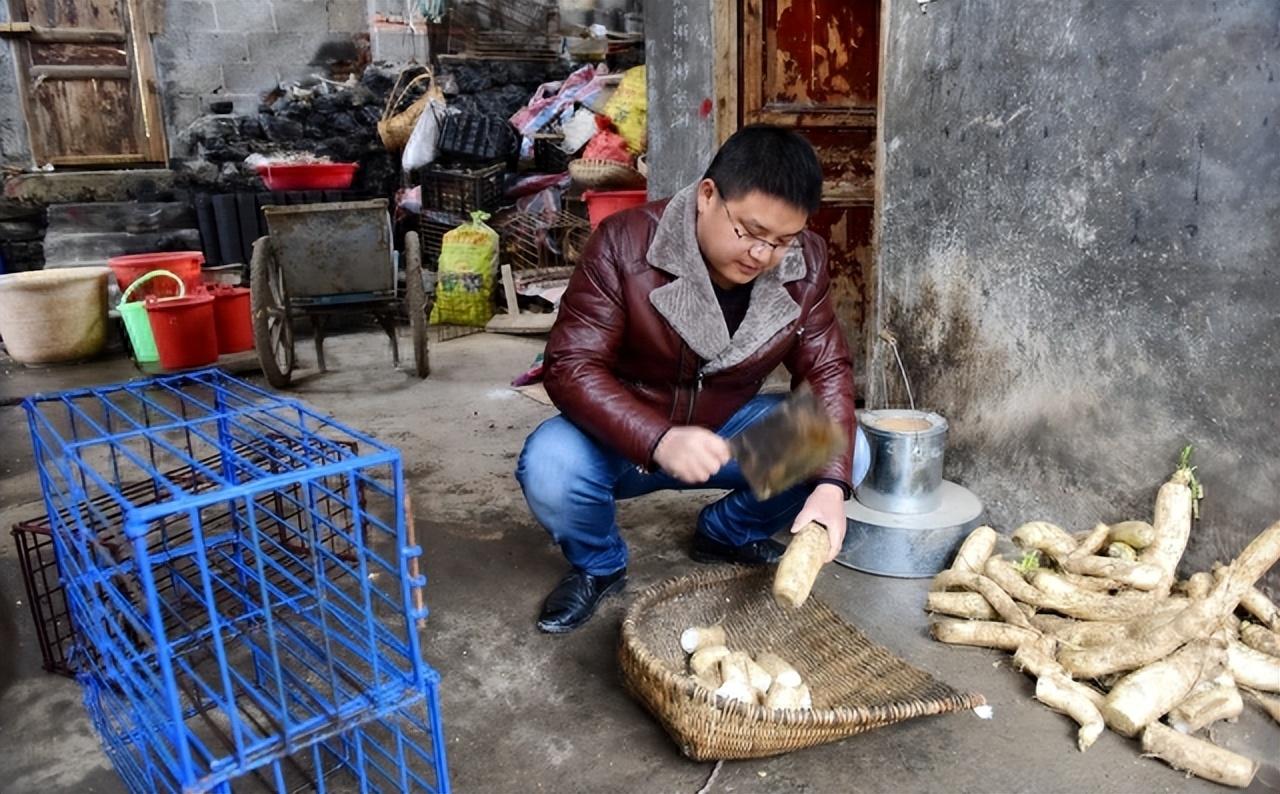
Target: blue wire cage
[{"x": 244, "y": 592}]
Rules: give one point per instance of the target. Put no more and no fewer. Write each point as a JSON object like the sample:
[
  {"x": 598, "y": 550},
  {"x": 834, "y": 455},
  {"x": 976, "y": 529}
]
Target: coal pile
[{"x": 339, "y": 121}]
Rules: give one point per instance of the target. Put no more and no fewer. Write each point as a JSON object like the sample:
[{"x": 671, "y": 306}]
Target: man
[{"x": 676, "y": 315}]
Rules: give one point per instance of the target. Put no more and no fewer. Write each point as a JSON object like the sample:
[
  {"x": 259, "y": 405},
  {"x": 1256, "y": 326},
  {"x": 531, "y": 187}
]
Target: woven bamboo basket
[
  {"x": 856, "y": 684},
  {"x": 605, "y": 174},
  {"x": 395, "y": 128}
]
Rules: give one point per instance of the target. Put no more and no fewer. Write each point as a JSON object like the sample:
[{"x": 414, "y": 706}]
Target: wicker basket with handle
[
  {"x": 856, "y": 684},
  {"x": 394, "y": 128}
]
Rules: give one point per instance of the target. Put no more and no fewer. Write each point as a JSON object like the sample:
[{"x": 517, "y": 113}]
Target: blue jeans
[{"x": 573, "y": 483}]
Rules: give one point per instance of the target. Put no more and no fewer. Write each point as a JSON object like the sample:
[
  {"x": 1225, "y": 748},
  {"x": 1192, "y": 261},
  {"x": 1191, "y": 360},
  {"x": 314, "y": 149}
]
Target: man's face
[{"x": 745, "y": 237}]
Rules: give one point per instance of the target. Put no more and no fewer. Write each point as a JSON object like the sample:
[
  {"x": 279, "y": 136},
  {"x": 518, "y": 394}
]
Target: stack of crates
[{"x": 244, "y": 592}]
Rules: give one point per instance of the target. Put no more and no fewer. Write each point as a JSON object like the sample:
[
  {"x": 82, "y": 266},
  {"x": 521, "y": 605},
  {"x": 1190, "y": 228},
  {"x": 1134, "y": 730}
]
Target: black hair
[{"x": 773, "y": 160}]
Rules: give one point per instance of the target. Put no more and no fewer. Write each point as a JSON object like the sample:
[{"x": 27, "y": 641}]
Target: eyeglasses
[{"x": 756, "y": 242}]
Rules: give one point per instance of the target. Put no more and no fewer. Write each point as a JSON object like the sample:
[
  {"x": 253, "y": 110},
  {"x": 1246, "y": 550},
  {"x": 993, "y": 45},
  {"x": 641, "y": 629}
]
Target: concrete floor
[{"x": 528, "y": 712}]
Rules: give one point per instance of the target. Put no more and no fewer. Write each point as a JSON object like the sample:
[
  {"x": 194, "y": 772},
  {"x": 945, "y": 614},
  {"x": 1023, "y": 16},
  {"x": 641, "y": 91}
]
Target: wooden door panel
[
  {"x": 88, "y": 83},
  {"x": 820, "y": 53},
  {"x": 848, "y": 161},
  {"x": 72, "y": 54},
  {"x": 847, "y": 230},
  {"x": 92, "y": 14},
  {"x": 82, "y": 118}
]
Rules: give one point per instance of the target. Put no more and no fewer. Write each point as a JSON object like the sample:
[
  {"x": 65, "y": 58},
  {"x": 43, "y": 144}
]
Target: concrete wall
[
  {"x": 682, "y": 130},
  {"x": 1079, "y": 252},
  {"x": 236, "y": 49},
  {"x": 15, "y": 149}
]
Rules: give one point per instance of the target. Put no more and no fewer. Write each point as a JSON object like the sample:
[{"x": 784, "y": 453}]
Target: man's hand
[
  {"x": 691, "y": 454},
  {"x": 826, "y": 506}
]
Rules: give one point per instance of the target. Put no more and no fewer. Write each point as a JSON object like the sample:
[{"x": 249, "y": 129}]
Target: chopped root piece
[
  {"x": 798, "y": 569},
  {"x": 1051, "y": 539},
  {"x": 1260, "y": 639},
  {"x": 1252, "y": 668},
  {"x": 707, "y": 659},
  {"x": 783, "y": 697},
  {"x": 757, "y": 676},
  {"x": 1122, "y": 551},
  {"x": 780, "y": 669},
  {"x": 1134, "y": 534},
  {"x": 1198, "y": 585},
  {"x": 981, "y": 633},
  {"x": 1092, "y": 542},
  {"x": 1172, "y": 524},
  {"x": 737, "y": 690},
  {"x": 1134, "y": 574},
  {"x": 1254, "y": 601},
  {"x": 1058, "y": 693},
  {"x": 1210, "y": 701},
  {"x": 701, "y": 637},
  {"x": 975, "y": 550},
  {"x": 1268, "y": 703},
  {"x": 971, "y": 606},
  {"x": 1197, "y": 756},
  {"x": 995, "y": 596},
  {"x": 1146, "y": 695},
  {"x": 1199, "y": 619},
  {"x": 1078, "y": 603}
]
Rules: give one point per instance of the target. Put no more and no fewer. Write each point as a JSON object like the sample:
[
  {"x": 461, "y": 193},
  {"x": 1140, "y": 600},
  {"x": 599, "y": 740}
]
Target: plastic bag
[
  {"x": 423, "y": 145},
  {"x": 578, "y": 130},
  {"x": 468, "y": 262},
  {"x": 629, "y": 110}
]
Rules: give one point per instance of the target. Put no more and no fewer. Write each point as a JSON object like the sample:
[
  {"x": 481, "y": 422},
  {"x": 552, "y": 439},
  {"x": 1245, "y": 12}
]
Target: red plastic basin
[
  {"x": 603, "y": 203},
  {"x": 183, "y": 264},
  {"x": 308, "y": 176}
]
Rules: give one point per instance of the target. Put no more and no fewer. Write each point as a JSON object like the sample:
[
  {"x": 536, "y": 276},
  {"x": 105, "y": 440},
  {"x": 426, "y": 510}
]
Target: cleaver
[{"x": 788, "y": 446}]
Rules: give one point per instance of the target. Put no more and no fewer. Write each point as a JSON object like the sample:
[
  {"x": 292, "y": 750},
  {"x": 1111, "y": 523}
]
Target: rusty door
[
  {"x": 813, "y": 65},
  {"x": 88, "y": 82}
]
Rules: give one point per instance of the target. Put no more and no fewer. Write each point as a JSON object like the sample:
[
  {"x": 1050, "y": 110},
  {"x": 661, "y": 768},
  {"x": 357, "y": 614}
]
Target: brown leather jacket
[{"x": 641, "y": 345}]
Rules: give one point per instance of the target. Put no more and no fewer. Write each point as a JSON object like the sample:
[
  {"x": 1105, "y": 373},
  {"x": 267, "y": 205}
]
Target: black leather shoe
[
  {"x": 575, "y": 599},
  {"x": 759, "y": 552}
]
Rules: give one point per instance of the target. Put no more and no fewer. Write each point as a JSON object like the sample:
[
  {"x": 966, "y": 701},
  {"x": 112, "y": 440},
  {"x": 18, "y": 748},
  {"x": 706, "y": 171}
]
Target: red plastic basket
[{"x": 308, "y": 176}]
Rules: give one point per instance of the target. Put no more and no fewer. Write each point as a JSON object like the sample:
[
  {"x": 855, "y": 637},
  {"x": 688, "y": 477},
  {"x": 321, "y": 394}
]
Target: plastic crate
[
  {"x": 548, "y": 156},
  {"x": 242, "y": 613},
  {"x": 462, "y": 190},
  {"x": 474, "y": 136},
  {"x": 33, "y": 538}
]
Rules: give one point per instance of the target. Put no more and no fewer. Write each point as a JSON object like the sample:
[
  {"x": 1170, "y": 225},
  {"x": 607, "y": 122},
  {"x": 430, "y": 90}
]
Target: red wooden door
[{"x": 813, "y": 65}]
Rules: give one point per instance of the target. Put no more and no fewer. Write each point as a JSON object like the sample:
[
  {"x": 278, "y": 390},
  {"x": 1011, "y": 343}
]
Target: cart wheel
[
  {"x": 272, "y": 331},
  {"x": 416, "y": 295}
]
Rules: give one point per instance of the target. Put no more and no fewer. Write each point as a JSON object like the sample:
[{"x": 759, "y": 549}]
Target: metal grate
[{"x": 252, "y": 600}]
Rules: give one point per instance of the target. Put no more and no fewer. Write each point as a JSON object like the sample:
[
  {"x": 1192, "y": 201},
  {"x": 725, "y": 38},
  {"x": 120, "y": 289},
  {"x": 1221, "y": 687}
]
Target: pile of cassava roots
[{"x": 1114, "y": 639}]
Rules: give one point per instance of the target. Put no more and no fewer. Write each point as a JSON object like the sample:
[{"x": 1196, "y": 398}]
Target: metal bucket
[{"x": 906, "y": 460}]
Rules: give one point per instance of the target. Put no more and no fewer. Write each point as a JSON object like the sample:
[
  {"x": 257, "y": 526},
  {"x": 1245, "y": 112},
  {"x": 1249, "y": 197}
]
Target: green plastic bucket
[{"x": 136, "y": 323}]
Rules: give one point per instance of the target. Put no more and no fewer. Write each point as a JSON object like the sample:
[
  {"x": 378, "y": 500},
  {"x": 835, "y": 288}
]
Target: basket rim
[{"x": 837, "y": 716}]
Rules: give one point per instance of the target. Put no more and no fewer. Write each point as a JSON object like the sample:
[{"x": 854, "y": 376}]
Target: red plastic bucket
[
  {"x": 603, "y": 203},
  {"x": 184, "y": 330},
  {"x": 232, "y": 318},
  {"x": 184, "y": 264}
]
